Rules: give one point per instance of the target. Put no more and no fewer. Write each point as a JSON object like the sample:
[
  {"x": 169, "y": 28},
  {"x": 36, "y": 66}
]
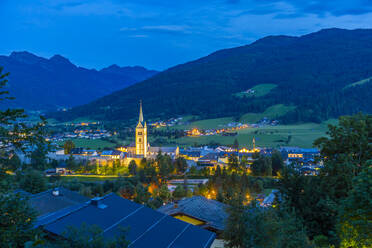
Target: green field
[
  {"x": 259, "y": 90},
  {"x": 302, "y": 135},
  {"x": 272, "y": 112},
  {"x": 92, "y": 144}
]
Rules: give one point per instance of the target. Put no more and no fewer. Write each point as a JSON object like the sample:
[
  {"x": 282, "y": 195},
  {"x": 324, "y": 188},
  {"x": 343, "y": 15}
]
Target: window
[
  {"x": 139, "y": 133},
  {"x": 139, "y": 140}
]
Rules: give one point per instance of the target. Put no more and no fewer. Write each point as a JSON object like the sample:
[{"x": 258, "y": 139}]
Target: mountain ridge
[
  {"x": 39, "y": 83},
  {"x": 311, "y": 72}
]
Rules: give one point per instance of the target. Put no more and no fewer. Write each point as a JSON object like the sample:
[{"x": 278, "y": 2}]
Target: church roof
[{"x": 140, "y": 118}]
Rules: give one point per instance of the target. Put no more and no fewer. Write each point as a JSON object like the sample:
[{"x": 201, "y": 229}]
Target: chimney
[
  {"x": 55, "y": 192},
  {"x": 97, "y": 202}
]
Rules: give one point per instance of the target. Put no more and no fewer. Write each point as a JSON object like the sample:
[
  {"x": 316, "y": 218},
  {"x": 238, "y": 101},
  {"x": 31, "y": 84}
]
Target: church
[{"x": 141, "y": 148}]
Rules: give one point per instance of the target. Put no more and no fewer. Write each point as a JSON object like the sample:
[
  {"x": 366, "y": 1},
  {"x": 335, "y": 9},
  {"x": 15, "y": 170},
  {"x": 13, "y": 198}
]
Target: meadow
[
  {"x": 302, "y": 135},
  {"x": 91, "y": 143}
]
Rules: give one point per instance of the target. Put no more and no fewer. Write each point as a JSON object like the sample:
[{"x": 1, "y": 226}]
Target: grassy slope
[
  {"x": 260, "y": 90},
  {"x": 272, "y": 112},
  {"x": 303, "y": 135}
]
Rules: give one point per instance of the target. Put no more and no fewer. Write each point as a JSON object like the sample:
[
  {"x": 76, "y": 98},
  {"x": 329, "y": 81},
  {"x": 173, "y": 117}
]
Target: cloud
[
  {"x": 160, "y": 29},
  {"x": 138, "y": 36},
  {"x": 322, "y": 7},
  {"x": 168, "y": 28}
]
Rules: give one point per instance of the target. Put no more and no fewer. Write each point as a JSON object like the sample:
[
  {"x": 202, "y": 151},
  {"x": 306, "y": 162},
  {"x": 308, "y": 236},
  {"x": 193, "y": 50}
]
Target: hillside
[
  {"x": 309, "y": 72},
  {"x": 47, "y": 84}
]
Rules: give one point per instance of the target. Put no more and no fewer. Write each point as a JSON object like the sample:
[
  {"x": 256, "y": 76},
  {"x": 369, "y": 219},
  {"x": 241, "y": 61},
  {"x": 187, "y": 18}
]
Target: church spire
[{"x": 140, "y": 113}]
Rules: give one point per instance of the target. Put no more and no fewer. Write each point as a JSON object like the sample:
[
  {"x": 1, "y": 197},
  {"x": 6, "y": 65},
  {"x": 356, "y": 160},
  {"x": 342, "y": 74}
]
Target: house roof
[
  {"x": 211, "y": 211},
  {"x": 46, "y": 202},
  {"x": 209, "y": 156},
  {"x": 157, "y": 149},
  {"x": 191, "y": 153},
  {"x": 111, "y": 153},
  {"x": 147, "y": 227}
]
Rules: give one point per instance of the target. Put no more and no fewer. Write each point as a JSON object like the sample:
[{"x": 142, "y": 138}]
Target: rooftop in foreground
[{"x": 147, "y": 227}]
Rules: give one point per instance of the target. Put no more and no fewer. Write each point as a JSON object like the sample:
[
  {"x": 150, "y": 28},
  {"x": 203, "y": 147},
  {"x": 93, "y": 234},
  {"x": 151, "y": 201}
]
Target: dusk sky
[{"x": 160, "y": 34}]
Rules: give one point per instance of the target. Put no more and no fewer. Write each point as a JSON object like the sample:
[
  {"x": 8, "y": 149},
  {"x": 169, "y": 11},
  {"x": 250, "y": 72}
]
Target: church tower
[{"x": 141, "y": 135}]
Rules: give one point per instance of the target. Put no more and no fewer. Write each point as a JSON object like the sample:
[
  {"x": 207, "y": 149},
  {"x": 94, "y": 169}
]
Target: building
[
  {"x": 200, "y": 211},
  {"x": 141, "y": 148},
  {"x": 141, "y": 135},
  {"x": 47, "y": 204},
  {"x": 146, "y": 227},
  {"x": 112, "y": 154}
]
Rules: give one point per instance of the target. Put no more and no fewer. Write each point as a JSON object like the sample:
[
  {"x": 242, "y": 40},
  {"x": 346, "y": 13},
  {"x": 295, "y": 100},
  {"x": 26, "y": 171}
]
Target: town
[{"x": 186, "y": 124}]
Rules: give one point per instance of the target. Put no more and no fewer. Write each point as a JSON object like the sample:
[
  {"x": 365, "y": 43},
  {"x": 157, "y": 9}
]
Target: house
[
  {"x": 83, "y": 152},
  {"x": 200, "y": 211},
  {"x": 112, "y": 154},
  {"x": 190, "y": 154},
  {"x": 146, "y": 227},
  {"x": 210, "y": 158},
  {"x": 173, "y": 152},
  {"x": 49, "y": 202}
]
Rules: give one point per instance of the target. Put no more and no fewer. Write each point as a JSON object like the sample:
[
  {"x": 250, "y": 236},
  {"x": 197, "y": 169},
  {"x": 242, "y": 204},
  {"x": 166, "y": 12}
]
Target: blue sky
[{"x": 160, "y": 34}]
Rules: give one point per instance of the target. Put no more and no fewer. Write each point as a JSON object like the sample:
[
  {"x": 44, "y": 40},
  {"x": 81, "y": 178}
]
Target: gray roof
[
  {"x": 146, "y": 227},
  {"x": 45, "y": 202},
  {"x": 211, "y": 211},
  {"x": 156, "y": 149},
  {"x": 111, "y": 152}
]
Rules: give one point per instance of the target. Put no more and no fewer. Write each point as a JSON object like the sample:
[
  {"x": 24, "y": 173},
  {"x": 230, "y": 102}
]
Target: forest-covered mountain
[
  {"x": 46, "y": 84},
  {"x": 311, "y": 72}
]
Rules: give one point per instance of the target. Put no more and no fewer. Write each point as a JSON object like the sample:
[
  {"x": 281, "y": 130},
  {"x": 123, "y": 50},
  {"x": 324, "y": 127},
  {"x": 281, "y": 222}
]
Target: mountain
[
  {"x": 45, "y": 84},
  {"x": 311, "y": 73}
]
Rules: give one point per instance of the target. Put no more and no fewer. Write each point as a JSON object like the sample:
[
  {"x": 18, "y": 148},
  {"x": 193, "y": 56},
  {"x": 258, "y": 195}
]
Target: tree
[
  {"x": 16, "y": 221},
  {"x": 262, "y": 166},
  {"x": 141, "y": 194},
  {"x": 236, "y": 144},
  {"x": 13, "y": 164},
  {"x": 33, "y": 182},
  {"x": 276, "y": 162},
  {"x": 349, "y": 140},
  {"x": 39, "y": 157},
  {"x": 235, "y": 227},
  {"x": 310, "y": 201},
  {"x": 68, "y": 146},
  {"x": 15, "y": 134},
  {"x": 132, "y": 168},
  {"x": 164, "y": 193},
  {"x": 115, "y": 166},
  {"x": 233, "y": 163},
  {"x": 179, "y": 192},
  {"x": 355, "y": 222},
  {"x": 16, "y": 217},
  {"x": 72, "y": 164},
  {"x": 253, "y": 226},
  {"x": 181, "y": 165}
]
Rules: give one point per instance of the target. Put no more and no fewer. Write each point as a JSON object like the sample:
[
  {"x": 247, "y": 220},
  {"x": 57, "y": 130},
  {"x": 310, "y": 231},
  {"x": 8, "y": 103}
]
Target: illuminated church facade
[
  {"x": 141, "y": 147},
  {"x": 141, "y": 135}
]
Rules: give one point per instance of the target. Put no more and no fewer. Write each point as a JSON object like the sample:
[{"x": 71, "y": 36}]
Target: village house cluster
[{"x": 306, "y": 160}]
